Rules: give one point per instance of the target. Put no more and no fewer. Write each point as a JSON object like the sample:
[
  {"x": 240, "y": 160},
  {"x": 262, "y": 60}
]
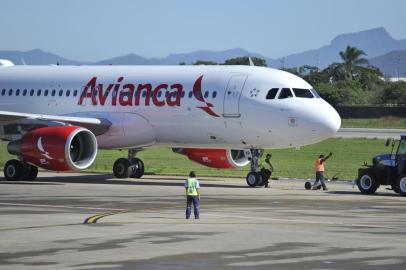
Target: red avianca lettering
[{"x": 130, "y": 94}]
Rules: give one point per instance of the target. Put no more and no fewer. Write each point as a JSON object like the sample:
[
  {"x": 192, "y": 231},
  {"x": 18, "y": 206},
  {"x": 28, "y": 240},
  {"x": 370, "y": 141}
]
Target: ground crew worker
[
  {"x": 319, "y": 164},
  {"x": 266, "y": 170},
  {"x": 192, "y": 188}
]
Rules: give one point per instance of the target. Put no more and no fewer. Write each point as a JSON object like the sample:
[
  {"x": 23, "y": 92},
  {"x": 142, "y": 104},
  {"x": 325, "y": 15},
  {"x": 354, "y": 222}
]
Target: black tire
[
  {"x": 402, "y": 185},
  {"x": 13, "y": 170},
  {"x": 137, "y": 168},
  {"x": 367, "y": 183},
  {"x": 308, "y": 186},
  {"x": 30, "y": 173},
  {"x": 121, "y": 168},
  {"x": 395, "y": 188},
  {"x": 253, "y": 179}
]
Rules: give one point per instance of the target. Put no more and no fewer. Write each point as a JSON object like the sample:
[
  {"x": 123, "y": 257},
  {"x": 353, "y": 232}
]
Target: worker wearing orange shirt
[{"x": 319, "y": 164}]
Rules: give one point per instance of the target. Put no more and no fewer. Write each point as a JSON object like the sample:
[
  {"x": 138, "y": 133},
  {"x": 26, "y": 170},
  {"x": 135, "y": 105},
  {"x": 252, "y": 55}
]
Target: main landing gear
[
  {"x": 254, "y": 178},
  {"x": 129, "y": 167},
  {"x": 15, "y": 170}
]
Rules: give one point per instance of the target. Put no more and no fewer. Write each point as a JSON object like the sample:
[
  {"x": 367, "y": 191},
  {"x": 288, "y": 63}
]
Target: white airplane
[{"x": 56, "y": 117}]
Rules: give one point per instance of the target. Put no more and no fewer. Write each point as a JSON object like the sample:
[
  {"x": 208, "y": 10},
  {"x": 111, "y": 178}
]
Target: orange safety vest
[{"x": 319, "y": 165}]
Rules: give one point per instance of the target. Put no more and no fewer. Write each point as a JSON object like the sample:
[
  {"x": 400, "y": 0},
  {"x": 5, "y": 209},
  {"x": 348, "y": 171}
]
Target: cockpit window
[
  {"x": 302, "y": 93},
  {"x": 285, "y": 93},
  {"x": 272, "y": 93},
  {"x": 315, "y": 93}
]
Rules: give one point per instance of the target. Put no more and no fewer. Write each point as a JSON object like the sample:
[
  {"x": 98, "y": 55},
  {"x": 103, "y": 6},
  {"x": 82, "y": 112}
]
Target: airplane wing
[{"x": 96, "y": 125}]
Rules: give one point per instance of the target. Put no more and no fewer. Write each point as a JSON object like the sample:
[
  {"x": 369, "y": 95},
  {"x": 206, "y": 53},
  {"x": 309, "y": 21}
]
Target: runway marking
[
  {"x": 95, "y": 218},
  {"x": 64, "y": 206},
  {"x": 310, "y": 222}
]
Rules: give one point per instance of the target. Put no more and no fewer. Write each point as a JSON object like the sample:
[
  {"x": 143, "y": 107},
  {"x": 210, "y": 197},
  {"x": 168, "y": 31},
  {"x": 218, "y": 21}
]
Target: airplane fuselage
[{"x": 176, "y": 106}]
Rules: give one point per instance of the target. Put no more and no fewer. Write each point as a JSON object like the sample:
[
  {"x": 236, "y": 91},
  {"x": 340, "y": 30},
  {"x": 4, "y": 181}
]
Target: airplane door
[{"x": 233, "y": 95}]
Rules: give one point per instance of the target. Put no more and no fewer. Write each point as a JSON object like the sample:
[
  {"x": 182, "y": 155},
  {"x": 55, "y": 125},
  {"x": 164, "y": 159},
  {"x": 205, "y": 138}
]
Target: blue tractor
[{"x": 386, "y": 169}]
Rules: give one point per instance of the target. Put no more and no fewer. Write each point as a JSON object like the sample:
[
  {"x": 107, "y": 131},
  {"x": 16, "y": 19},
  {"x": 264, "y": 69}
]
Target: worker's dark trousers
[
  {"x": 195, "y": 201},
  {"x": 320, "y": 177}
]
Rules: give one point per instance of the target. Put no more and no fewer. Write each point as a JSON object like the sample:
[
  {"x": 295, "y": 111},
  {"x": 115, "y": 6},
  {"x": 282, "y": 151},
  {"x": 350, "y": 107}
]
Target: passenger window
[
  {"x": 53, "y": 92},
  {"x": 183, "y": 94},
  {"x": 68, "y": 93},
  {"x": 206, "y": 94},
  {"x": 190, "y": 94},
  {"x": 144, "y": 93},
  {"x": 75, "y": 93},
  {"x": 18, "y": 92},
  {"x": 46, "y": 92},
  {"x": 32, "y": 92},
  {"x": 272, "y": 93},
  {"x": 25, "y": 92},
  {"x": 60, "y": 93},
  {"x": 214, "y": 94},
  {"x": 285, "y": 93},
  {"x": 10, "y": 92},
  {"x": 302, "y": 93},
  {"x": 3, "y": 92},
  {"x": 39, "y": 92}
]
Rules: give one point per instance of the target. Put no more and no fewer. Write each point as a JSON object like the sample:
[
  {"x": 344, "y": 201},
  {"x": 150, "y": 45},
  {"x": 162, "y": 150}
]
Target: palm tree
[{"x": 352, "y": 58}]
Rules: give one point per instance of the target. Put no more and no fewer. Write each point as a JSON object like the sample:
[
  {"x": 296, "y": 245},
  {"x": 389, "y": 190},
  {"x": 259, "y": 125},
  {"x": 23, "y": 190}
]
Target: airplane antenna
[{"x": 250, "y": 61}]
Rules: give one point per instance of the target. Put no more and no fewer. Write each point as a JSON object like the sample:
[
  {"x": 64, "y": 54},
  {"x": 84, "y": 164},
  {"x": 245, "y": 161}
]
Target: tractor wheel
[
  {"x": 402, "y": 185},
  {"x": 367, "y": 183}
]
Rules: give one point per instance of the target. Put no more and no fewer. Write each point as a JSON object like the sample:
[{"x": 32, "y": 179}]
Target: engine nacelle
[
  {"x": 60, "y": 148},
  {"x": 215, "y": 158}
]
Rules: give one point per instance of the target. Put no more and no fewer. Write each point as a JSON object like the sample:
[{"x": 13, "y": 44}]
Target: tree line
[{"x": 353, "y": 81}]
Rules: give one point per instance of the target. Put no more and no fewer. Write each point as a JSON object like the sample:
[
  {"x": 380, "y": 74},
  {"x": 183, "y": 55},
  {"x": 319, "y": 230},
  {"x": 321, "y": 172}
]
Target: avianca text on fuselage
[{"x": 130, "y": 94}]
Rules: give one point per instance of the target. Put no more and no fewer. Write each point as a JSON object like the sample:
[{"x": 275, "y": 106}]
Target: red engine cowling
[
  {"x": 216, "y": 158},
  {"x": 60, "y": 148}
]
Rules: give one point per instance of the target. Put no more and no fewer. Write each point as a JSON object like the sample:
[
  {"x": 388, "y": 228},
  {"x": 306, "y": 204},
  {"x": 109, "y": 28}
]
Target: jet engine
[
  {"x": 57, "y": 148},
  {"x": 215, "y": 158}
]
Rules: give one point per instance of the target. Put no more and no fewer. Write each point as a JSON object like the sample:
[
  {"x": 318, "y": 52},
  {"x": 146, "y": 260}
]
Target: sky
[{"x": 90, "y": 30}]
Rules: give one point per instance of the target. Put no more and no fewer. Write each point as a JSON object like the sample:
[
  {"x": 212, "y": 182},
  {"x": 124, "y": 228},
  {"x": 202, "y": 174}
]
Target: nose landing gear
[
  {"x": 129, "y": 167},
  {"x": 254, "y": 177}
]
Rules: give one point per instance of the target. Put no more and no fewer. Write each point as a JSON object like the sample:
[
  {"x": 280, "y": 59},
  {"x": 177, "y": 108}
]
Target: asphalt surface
[{"x": 140, "y": 225}]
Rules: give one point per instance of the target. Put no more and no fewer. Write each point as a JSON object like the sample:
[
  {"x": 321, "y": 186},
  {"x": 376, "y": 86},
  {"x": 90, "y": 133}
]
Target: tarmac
[{"x": 80, "y": 221}]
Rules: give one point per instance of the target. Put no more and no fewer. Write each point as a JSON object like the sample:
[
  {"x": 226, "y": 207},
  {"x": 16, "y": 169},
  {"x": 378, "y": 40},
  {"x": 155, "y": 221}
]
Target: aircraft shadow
[{"x": 108, "y": 179}]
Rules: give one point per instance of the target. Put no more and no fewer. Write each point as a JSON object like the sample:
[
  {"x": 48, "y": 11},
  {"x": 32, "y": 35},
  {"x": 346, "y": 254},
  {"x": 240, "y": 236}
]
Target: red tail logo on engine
[
  {"x": 44, "y": 153},
  {"x": 130, "y": 94}
]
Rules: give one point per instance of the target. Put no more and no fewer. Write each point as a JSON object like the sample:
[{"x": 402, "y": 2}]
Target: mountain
[
  {"x": 380, "y": 47},
  {"x": 188, "y": 58},
  {"x": 36, "y": 57},
  {"x": 373, "y": 42},
  {"x": 392, "y": 64}
]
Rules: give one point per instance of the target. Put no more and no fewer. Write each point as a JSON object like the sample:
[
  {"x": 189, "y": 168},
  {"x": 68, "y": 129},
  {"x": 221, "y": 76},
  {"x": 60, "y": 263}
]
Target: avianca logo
[{"x": 131, "y": 94}]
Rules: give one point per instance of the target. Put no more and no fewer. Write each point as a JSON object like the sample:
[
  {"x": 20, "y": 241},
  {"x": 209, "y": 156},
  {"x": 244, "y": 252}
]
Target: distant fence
[{"x": 370, "y": 111}]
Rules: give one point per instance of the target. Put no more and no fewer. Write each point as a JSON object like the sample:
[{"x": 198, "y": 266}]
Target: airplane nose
[{"x": 331, "y": 120}]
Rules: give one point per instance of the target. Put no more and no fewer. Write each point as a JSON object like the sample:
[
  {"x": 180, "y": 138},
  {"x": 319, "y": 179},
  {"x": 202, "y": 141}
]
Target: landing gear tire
[
  {"x": 121, "y": 168},
  {"x": 253, "y": 179},
  {"x": 30, "y": 173},
  {"x": 402, "y": 185},
  {"x": 136, "y": 168},
  {"x": 368, "y": 183},
  {"x": 13, "y": 170}
]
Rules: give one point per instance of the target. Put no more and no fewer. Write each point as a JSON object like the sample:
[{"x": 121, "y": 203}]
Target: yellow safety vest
[{"x": 191, "y": 187}]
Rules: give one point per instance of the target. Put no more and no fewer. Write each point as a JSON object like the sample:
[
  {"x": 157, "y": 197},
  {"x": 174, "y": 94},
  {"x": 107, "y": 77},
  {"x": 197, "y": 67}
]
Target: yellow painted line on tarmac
[{"x": 93, "y": 219}]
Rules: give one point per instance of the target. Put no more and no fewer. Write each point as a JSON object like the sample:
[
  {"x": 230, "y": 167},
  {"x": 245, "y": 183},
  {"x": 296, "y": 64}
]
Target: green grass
[
  {"x": 384, "y": 122},
  {"x": 348, "y": 156}
]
